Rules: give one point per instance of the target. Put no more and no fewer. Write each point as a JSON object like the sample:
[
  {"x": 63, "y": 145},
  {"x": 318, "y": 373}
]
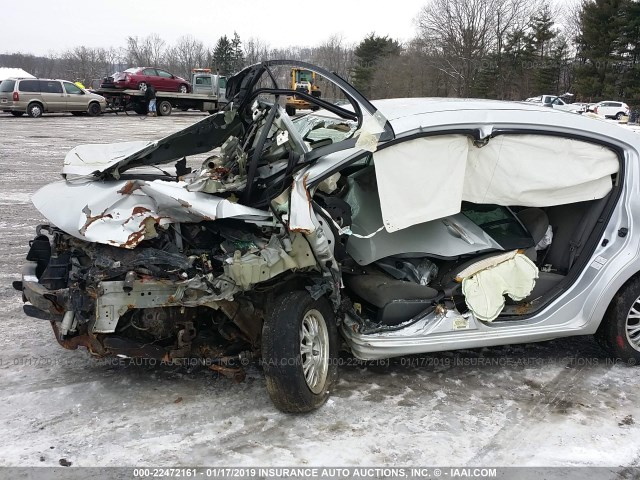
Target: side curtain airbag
[{"x": 428, "y": 178}]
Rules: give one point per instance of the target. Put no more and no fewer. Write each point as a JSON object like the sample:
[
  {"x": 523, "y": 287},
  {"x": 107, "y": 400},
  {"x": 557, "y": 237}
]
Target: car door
[
  {"x": 165, "y": 79},
  {"x": 150, "y": 77},
  {"x": 614, "y": 108},
  {"x": 53, "y": 95},
  {"x": 76, "y": 98}
]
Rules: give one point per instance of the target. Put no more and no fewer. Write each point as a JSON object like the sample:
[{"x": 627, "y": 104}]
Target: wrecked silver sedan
[{"x": 400, "y": 227}]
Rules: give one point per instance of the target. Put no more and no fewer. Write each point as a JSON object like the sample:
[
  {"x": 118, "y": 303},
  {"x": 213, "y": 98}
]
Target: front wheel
[
  {"x": 142, "y": 86},
  {"x": 183, "y": 88},
  {"x": 619, "y": 331},
  {"x": 94, "y": 109},
  {"x": 300, "y": 352}
]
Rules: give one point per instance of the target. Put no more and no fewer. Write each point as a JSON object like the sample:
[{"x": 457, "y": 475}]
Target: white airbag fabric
[
  {"x": 427, "y": 178},
  {"x": 484, "y": 291},
  {"x": 538, "y": 171},
  {"x": 421, "y": 180}
]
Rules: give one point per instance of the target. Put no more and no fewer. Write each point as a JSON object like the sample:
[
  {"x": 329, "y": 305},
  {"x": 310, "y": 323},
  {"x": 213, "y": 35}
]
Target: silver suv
[{"x": 37, "y": 96}]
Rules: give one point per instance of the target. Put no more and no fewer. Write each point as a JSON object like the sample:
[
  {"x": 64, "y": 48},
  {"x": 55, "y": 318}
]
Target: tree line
[{"x": 503, "y": 49}]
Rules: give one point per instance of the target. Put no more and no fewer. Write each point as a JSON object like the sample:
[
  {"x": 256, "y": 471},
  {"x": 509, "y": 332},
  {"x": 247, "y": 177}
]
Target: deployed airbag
[
  {"x": 428, "y": 178},
  {"x": 485, "y": 289}
]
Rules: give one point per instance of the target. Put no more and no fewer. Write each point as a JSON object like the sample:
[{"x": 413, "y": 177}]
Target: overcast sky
[{"x": 43, "y": 26}]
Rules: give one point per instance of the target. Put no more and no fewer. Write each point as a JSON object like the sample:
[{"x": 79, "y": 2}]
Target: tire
[
  {"x": 183, "y": 88},
  {"x": 17, "y": 114},
  {"x": 297, "y": 323},
  {"x": 142, "y": 86},
  {"x": 290, "y": 110},
  {"x": 35, "y": 110},
  {"x": 619, "y": 115},
  {"x": 94, "y": 109},
  {"x": 164, "y": 108},
  {"x": 619, "y": 332}
]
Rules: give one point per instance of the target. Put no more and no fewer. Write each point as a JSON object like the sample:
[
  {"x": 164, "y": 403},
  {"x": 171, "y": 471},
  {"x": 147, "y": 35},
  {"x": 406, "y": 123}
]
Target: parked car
[
  {"x": 38, "y": 96},
  {"x": 610, "y": 109},
  {"x": 140, "y": 77},
  {"x": 402, "y": 226},
  {"x": 558, "y": 103}
]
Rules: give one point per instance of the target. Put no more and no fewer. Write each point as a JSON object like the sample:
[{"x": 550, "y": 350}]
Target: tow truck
[{"x": 208, "y": 95}]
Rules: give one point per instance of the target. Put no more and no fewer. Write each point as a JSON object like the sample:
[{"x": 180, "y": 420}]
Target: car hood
[{"x": 110, "y": 160}]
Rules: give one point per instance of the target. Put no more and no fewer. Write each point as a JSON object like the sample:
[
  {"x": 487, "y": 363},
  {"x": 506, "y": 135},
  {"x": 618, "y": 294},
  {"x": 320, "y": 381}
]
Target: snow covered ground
[{"x": 549, "y": 404}]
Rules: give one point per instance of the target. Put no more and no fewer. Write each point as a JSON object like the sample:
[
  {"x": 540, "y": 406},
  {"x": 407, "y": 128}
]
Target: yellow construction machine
[{"x": 302, "y": 81}]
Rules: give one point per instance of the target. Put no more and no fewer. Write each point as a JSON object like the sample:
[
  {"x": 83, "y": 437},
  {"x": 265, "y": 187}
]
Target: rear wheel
[
  {"x": 35, "y": 110},
  {"x": 619, "y": 331},
  {"x": 94, "y": 109},
  {"x": 300, "y": 352},
  {"x": 142, "y": 86},
  {"x": 164, "y": 108},
  {"x": 17, "y": 114}
]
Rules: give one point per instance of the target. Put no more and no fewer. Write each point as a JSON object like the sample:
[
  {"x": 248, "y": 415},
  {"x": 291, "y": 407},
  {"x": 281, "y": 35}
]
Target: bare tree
[
  {"x": 334, "y": 55},
  {"x": 186, "y": 54},
  {"x": 255, "y": 50},
  {"x": 464, "y": 33}
]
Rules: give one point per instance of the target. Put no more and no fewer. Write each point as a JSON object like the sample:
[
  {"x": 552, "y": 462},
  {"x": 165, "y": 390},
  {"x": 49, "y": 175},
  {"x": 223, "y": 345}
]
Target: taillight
[
  {"x": 595, "y": 110},
  {"x": 16, "y": 97}
]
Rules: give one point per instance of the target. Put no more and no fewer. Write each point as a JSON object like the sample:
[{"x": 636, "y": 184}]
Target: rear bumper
[{"x": 123, "y": 84}]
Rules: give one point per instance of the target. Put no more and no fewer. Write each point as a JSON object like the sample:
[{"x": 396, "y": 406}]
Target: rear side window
[
  {"x": 499, "y": 223},
  {"x": 50, "y": 86},
  {"x": 7, "y": 86},
  {"x": 29, "y": 86}
]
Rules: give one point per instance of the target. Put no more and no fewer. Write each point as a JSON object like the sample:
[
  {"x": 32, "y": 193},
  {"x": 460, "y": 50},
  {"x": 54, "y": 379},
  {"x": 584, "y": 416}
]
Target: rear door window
[
  {"x": 7, "y": 86},
  {"x": 150, "y": 71},
  {"x": 162, "y": 73},
  {"x": 29, "y": 86},
  {"x": 50, "y": 86}
]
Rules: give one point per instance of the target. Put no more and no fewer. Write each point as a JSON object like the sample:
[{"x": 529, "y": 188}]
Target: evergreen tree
[
  {"x": 369, "y": 52},
  {"x": 223, "y": 56},
  {"x": 599, "y": 41},
  {"x": 238, "y": 53},
  {"x": 545, "y": 66}
]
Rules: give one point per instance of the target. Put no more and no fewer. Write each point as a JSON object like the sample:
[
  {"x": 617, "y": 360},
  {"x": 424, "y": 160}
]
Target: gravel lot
[{"x": 550, "y": 404}]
